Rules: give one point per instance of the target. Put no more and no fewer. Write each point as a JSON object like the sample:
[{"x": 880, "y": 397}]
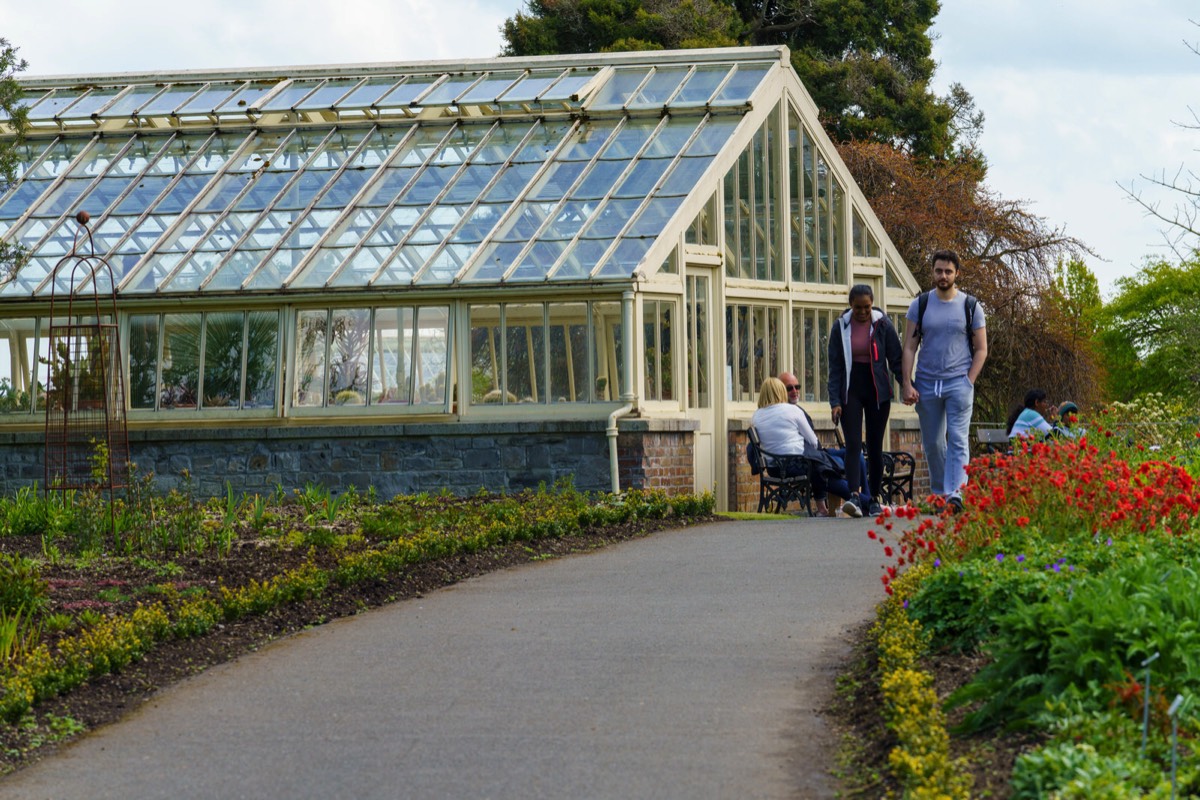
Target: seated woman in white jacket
[{"x": 784, "y": 429}]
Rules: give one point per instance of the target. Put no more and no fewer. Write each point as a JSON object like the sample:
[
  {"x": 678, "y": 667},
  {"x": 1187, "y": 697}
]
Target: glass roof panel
[
  {"x": 741, "y": 85},
  {"x": 625, "y": 258},
  {"x": 446, "y": 264},
  {"x": 629, "y": 140},
  {"x": 585, "y": 143},
  {"x": 671, "y": 138},
  {"x": 291, "y": 94},
  {"x": 539, "y": 259},
  {"x": 445, "y": 93},
  {"x": 54, "y": 102},
  {"x": 684, "y": 177},
  {"x": 167, "y": 101},
  {"x": 247, "y": 96},
  {"x": 612, "y": 218},
  {"x": 93, "y": 102},
  {"x": 406, "y": 92},
  {"x": 361, "y": 267},
  {"x": 209, "y": 99},
  {"x": 493, "y": 262},
  {"x": 701, "y": 85},
  {"x": 617, "y": 90},
  {"x": 326, "y": 94},
  {"x": 138, "y": 96},
  {"x": 557, "y": 180},
  {"x": 235, "y": 270},
  {"x": 582, "y": 258},
  {"x": 642, "y": 178},
  {"x": 369, "y": 92},
  {"x": 713, "y": 136},
  {"x": 659, "y": 88},
  {"x": 566, "y": 88},
  {"x": 654, "y": 216},
  {"x": 531, "y": 86}
]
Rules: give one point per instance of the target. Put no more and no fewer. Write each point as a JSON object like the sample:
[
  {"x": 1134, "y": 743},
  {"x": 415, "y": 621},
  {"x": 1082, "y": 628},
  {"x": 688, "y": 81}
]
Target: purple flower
[
  {"x": 999, "y": 556},
  {"x": 1020, "y": 559},
  {"x": 1109, "y": 542}
]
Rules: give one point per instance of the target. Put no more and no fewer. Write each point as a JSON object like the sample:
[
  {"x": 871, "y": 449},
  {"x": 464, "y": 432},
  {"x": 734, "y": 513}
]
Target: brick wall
[{"x": 657, "y": 459}]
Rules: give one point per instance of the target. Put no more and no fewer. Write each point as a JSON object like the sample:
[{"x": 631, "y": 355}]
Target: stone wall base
[{"x": 393, "y": 459}]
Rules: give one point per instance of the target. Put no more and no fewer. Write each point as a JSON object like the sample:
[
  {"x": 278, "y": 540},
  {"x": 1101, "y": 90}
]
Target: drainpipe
[{"x": 629, "y": 396}]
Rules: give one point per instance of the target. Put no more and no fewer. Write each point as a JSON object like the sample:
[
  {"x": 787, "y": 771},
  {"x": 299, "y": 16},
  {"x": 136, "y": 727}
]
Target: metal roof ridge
[{"x": 648, "y": 57}]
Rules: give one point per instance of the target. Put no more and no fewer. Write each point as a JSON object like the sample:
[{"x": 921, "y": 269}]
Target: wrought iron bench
[
  {"x": 899, "y": 467},
  {"x": 897, "y": 484},
  {"x": 776, "y": 488}
]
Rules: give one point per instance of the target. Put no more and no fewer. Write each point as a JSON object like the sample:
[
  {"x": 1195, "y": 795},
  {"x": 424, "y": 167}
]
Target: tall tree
[
  {"x": 13, "y": 114},
  {"x": 867, "y": 64},
  {"x": 594, "y": 26},
  {"x": 1151, "y": 332}
]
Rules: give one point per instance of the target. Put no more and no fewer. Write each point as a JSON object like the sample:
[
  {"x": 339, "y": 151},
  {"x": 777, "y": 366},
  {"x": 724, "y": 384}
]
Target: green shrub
[
  {"x": 21, "y": 585},
  {"x": 1086, "y": 639}
]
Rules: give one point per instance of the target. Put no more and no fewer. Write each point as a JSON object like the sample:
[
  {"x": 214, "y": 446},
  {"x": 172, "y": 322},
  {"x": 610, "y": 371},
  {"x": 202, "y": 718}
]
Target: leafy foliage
[
  {"x": 10, "y": 107},
  {"x": 1151, "y": 332}
]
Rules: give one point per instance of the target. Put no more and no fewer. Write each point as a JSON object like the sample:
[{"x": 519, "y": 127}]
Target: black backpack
[{"x": 968, "y": 307}]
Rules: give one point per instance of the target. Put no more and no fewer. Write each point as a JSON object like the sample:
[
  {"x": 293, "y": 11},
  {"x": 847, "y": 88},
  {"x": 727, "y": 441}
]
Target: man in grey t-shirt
[{"x": 943, "y": 389}]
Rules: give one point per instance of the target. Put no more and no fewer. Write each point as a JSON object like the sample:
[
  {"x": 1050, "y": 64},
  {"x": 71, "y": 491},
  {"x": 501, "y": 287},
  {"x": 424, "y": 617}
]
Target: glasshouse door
[{"x": 700, "y": 396}]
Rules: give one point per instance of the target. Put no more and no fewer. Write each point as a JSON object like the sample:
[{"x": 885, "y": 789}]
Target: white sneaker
[{"x": 851, "y": 509}]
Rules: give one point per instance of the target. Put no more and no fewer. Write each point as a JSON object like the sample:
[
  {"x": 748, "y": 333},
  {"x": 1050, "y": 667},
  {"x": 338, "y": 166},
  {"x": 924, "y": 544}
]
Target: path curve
[{"x": 688, "y": 664}]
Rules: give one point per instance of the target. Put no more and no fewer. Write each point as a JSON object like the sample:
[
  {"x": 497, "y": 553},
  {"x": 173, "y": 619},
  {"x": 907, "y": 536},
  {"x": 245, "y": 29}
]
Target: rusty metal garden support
[{"x": 87, "y": 442}]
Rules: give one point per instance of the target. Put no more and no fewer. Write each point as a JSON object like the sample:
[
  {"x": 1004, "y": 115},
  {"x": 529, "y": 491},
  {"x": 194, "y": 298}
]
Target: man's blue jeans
[{"x": 945, "y": 412}]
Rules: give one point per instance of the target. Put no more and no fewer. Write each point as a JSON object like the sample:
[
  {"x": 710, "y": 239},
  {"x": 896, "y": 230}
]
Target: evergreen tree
[{"x": 14, "y": 116}]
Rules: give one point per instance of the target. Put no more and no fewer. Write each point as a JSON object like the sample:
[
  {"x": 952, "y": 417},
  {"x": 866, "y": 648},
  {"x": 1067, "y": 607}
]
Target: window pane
[
  {"x": 609, "y": 353},
  {"x": 311, "y": 327},
  {"x": 485, "y": 354},
  {"x": 17, "y": 362},
  {"x": 223, "y": 337},
  {"x": 431, "y": 356},
  {"x": 525, "y": 336},
  {"x": 262, "y": 358},
  {"x": 391, "y": 366},
  {"x": 568, "y": 353},
  {"x": 180, "y": 361},
  {"x": 350, "y": 340}
]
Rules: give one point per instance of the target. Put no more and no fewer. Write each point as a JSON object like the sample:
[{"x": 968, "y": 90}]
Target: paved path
[{"x": 689, "y": 664}]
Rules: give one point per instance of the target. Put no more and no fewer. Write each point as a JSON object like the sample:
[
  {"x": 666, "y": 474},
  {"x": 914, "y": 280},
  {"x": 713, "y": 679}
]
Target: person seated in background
[
  {"x": 839, "y": 453},
  {"x": 1031, "y": 419},
  {"x": 784, "y": 429}
]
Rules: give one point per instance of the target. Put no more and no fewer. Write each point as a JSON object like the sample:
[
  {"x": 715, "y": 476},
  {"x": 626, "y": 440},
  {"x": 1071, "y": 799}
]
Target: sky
[{"x": 1082, "y": 97}]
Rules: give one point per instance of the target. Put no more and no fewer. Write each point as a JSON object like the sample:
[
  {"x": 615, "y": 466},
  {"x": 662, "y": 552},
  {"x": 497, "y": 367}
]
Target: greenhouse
[{"x": 417, "y": 276}]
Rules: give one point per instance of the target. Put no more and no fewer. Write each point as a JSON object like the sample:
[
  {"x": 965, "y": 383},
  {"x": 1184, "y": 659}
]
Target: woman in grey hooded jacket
[{"x": 864, "y": 354}]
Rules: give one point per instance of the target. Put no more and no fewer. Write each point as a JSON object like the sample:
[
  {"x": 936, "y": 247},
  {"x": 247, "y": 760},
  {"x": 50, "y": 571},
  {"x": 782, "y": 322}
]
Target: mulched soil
[
  {"x": 112, "y": 585},
  {"x": 866, "y": 741}
]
